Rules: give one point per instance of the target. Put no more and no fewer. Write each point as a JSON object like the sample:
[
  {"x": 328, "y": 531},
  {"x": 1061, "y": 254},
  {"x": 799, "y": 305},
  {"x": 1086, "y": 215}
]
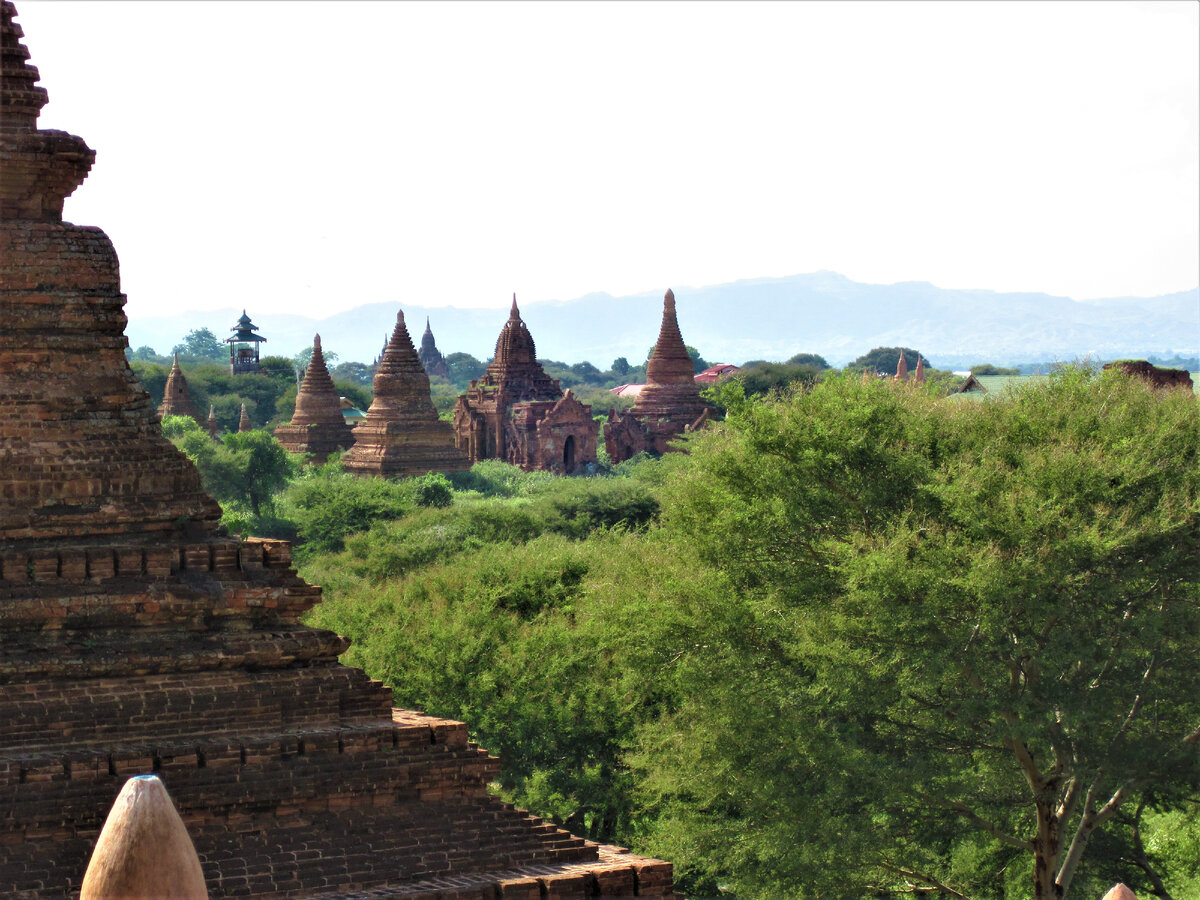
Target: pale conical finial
[
  {"x": 144, "y": 849},
  {"x": 514, "y": 313},
  {"x": 399, "y": 317},
  {"x": 669, "y": 298},
  {"x": 316, "y": 342}
]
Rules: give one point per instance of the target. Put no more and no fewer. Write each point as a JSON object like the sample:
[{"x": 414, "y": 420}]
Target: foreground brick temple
[
  {"x": 519, "y": 414},
  {"x": 667, "y": 406},
  {"x": 136, "y": 638}
]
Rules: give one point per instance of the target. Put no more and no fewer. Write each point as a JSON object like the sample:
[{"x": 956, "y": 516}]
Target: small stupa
[
  {"x": 318, "y": 426},
  {"x": 214, "y": 429},
  {"x": 402, "y": 434},
  {"x": 244, "y": 420},
  {"x": 177, "y": 399},
  {"x": 670, "y": 403}
]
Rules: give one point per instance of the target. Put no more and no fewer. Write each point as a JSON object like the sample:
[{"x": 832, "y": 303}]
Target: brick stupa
[
  {"x": 401, "y": 434},
  {"x": 518, "y": 413},
  {"x": 430, "y": 356},
  {"x": 667, "y": 406},
  {"x": 135, "y": 638},
  {"x": 177, "y": 399},
  {"x": 318, "y": 427}
]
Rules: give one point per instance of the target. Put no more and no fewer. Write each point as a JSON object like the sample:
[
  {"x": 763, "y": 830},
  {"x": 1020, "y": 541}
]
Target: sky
[{"x": 310, "y": 157}]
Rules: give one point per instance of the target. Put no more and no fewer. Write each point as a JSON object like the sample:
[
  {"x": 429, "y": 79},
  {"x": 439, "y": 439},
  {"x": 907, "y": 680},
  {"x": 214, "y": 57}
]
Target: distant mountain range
[{"x": 761, "y": 318}]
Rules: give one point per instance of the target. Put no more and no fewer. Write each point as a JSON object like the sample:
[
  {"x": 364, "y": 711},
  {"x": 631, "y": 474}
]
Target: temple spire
[{"x": 670, "y": 362}]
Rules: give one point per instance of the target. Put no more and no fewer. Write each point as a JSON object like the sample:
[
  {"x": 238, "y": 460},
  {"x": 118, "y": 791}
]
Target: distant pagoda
[
  {"x": 318, "y": 426},
  {"x": 177, "y": 399},
  {"x": 667, "y": 406},
  {"x": 518, "y": 413},
  {"x": 243, "y": 347},
  {"x": 431, "y": 358},
  {"x": 401, "y": 434}
]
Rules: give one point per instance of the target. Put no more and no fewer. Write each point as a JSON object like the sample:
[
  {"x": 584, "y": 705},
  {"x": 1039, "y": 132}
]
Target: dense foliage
[{"x": 859, "y": 641}]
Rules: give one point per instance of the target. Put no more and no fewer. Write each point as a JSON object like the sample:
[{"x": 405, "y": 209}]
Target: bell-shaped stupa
[
  {"x": 401, "y": 434},
  {"x": 318, "y": 426},
  {"x": 667, "y": 406},
  {"x": 137, "y": 638}
]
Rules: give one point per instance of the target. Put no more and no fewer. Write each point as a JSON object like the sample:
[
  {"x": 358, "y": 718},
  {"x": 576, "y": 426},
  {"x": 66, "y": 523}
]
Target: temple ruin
[
  {"x": 177, "y": 399},
  {"x": 137, "y": 638},
  {"x": 402, "y": 435},
  {"x": 431, "y": 358},
  {"x": 667, "y": 406},
  {"x": 519, "y": 414},
  {"x": 318, "y": 427}
]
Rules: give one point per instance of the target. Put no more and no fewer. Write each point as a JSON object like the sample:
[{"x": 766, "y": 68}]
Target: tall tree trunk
[{"x": 1047, "y": 845}]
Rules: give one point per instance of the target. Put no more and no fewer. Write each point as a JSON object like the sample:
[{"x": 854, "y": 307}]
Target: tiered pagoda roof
[{"x": 318, "y": 426}]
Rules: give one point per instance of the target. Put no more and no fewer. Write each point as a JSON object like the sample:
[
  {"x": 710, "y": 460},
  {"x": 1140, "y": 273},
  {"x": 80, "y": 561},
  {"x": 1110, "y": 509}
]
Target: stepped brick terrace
[{"x": 136, "y": 637}]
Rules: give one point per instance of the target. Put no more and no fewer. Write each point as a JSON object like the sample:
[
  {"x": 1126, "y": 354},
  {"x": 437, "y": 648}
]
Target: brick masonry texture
[
  {"x": 136, "y": 637},
  {"x": 519, "y": 414},
  {"x": 667, "y": 406},
  {"x": 318, "y": 426}
]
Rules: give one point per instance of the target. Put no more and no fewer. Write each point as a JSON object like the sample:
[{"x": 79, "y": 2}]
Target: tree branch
[
  {"x": 983, "y": 824},
  {"x": 1091, "y": 819},
  {"x": 928, "y": 879}
]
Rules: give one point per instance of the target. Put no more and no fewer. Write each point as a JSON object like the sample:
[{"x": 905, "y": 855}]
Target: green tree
[
  {"x": 259, "y": 467},
  {"x": 620, "y": 366},
  {"x": 302, "y": 359},
  {"x": 809, "y": 359},
  {"x": 354, "y": 372},
  {"x": 989, "y": 369},
  {"x": 957, "y": 639},
  {"x": 885, "y": 360},
  {"x": 202, "y": 344},
  {"x": 463, "y": 367}
]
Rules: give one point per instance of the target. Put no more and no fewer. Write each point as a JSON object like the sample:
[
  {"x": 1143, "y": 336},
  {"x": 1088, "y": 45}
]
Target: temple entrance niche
[{"x": 569, "y": 453}]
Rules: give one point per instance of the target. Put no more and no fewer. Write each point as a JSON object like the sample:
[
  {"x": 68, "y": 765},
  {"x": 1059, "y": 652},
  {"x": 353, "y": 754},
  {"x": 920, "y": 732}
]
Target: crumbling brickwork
[
  {"x": 1161, "y": 378},
  {"x": 667, "y": 406},
  {"x": 517, "y": 413},
  {"x": 135, "y": 637}
]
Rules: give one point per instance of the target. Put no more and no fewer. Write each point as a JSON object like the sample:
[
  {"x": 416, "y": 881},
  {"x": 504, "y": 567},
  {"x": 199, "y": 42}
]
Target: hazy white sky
[{"x": 309, "y": 157}]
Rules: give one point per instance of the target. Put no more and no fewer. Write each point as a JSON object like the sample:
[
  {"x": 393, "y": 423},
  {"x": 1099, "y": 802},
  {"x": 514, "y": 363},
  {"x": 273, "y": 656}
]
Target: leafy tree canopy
[
  {"x": 809, "y": 359},
  {"x": 202, "y": 344},
  {"x": 885, "y": 360},
  {"x": 989, "y": 369},
  {"x": 957, "y": 640}
]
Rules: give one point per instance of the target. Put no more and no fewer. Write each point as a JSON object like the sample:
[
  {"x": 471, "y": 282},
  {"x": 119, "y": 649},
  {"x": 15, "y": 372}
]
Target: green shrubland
[{"x": 858, "y": 641}]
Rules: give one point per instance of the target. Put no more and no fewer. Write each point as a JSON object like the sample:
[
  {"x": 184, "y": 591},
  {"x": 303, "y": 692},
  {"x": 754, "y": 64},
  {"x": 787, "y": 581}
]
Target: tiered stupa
[
  {"x": 318, "y": 426},
  {"x": 518, "y": 413},
  {"x": 244, "y": 423},
  {"x": 177, "y": 399},
  {"x": 214, "y": 428},
  {"x": 667, "y": 406},
  {"x": 135, "y": 638},
  {"x": 431, "y": 358},
  {"x": 402, "y": 434}
]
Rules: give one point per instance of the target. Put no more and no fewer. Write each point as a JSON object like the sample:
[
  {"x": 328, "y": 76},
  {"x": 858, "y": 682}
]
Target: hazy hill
[{"x": 763, "y": 318}]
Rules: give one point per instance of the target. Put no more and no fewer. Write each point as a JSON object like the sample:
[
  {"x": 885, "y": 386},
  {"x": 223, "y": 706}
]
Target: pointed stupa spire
[
  {"x": 919, "y": 375},
  {"x": 670, "y": 362},
  {"x": 318, "y": 426},
  {"x": 41, "y": 167},
  {"x": 244, "y": 420},
  {"x": 401, "y": 434},
  {"x": 902, "y": 368},
  {"x": 431, "y": 358},
  {"x": 177, "y": 399},
  {"x": 213, "y": 427},
  {"x": 515, "y": 344}
]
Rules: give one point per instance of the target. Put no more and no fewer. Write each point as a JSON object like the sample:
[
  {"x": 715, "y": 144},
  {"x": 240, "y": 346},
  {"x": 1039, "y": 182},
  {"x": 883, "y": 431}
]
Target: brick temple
[
  {"x": 318, "y": 427},
  {"x": 667, "y": 406},
  {"x": 519, "y": 414},
  {"x": 431, "y": 358},
  {"x": 136, "y": 638},
  {"x": 402, "y": 434},
  {"x": 177, "y": 399}
]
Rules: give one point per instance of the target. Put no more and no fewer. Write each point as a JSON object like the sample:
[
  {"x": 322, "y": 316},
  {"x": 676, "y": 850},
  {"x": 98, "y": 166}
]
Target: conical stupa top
[
  {"x": 41, "y": 167},
  {"x": 177, "y": 399},
  {"x": 213, "y": 427},
  {"x": 244, "y": 420},
  {"x": 428, "y": 345},
  {"x": 428, "y": 330},
  {"x": 317, "y": 400},
  {"x": 401, "y": 385},
  {"x": 670, "y": 362},
  {"x": 919, "y": 376},
  {"x": 902, "y": 368},
  {"x": 21, "y": 100},
  {"x": 399, "y": 356},
  {"x": 515, "y": 344}
]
